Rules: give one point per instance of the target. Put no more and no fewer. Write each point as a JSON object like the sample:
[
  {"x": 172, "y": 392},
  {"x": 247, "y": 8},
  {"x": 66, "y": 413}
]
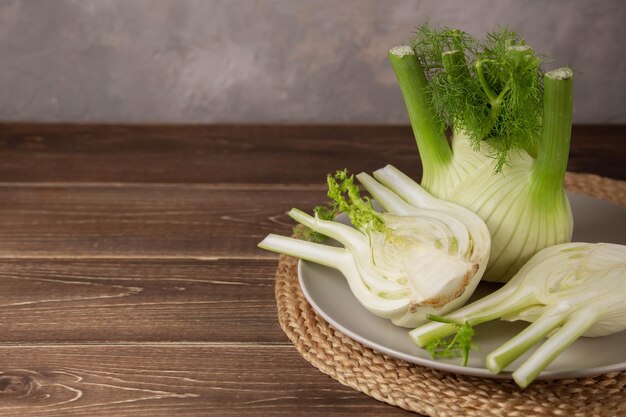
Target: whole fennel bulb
[
  {"x": 511, "y": 131},
  {"x": 418, "y": 257}
]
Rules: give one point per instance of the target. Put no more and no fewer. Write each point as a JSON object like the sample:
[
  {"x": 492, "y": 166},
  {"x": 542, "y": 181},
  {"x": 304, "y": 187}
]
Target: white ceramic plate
[{"x": 328, "y": 292}]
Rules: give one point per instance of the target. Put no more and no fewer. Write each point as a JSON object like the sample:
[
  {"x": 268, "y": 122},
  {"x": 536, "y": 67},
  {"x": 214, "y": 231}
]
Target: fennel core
[{"x": 511, "y": 129}]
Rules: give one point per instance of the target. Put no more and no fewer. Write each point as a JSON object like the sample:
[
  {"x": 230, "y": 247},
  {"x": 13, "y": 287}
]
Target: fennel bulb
[
  {"x": 511, "y": 133},
  {"x": 420, "y": 256},
  {"x": 565, "y": 291}
]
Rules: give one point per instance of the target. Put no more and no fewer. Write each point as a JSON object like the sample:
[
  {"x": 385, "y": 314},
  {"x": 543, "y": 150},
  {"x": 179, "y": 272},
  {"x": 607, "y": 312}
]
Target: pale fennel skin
[
  {"x": 420, "y": 256},
  {"x": 514, "y": 182},
  {"x": 565, "y": 291}
]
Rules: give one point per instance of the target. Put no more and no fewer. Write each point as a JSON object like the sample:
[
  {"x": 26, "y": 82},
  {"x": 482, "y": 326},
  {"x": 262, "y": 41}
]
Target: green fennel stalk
[{"x": 427, "y": 130}]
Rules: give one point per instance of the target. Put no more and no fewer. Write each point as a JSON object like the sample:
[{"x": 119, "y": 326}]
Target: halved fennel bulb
[
  {"x": 421, "y": 256},
  {"x": 565, "y": 291}
]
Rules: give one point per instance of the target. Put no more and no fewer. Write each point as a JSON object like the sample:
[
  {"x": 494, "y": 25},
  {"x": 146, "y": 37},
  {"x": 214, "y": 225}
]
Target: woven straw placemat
[{"x": 442, "y": 394}]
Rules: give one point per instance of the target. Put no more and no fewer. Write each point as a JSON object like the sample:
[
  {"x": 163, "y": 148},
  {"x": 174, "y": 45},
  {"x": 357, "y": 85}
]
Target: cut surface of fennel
[
  {"x": 427, "y": 259},
  {"x": 565, "y": 291}
]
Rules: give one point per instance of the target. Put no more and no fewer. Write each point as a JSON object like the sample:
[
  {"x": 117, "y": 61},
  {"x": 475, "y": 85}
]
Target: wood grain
[
  {"x": 168, "y": 380},
  {"x": 112, "y": 301},
  {"x": 242, "y": 154},
  {"x": 188, "y": 221},
  {"x": 130, "y": 280},
  {"x": 199, "y": 154}
]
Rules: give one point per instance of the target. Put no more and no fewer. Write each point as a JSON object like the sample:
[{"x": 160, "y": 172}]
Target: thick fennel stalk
[
  {"x": 551, "y": 162},
  {"x": 431, "y": 139}
]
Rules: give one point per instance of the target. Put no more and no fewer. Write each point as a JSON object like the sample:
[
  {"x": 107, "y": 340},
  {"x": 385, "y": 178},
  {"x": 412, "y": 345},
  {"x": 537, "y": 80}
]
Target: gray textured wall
[{"x": 273, "y": 60}]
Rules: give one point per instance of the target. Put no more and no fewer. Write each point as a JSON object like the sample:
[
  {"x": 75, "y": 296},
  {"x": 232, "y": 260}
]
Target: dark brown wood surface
[{"x": 130, "y": 281}]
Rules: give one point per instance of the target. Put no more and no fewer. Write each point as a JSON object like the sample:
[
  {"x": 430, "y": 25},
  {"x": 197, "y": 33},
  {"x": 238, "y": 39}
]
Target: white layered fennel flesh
[{"x": 420, "y": 256}]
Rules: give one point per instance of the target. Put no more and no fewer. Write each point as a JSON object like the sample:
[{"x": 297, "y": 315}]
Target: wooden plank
[
  {"x": 199, "y": 154},
  {"x": 241, "y": 154},
  {"x": 187, "y": 221},
  {"x": 157, "y": 380},
  {"x": 109, "y": 301},
  {"x": 599, "y": 150}
]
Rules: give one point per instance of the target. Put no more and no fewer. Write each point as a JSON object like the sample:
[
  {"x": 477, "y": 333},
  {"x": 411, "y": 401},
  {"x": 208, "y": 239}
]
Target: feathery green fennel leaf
[
  {"x": 346, "y": 197},
  {"x": 491, "y": 89},
  {"x": 455, "y": 346}
]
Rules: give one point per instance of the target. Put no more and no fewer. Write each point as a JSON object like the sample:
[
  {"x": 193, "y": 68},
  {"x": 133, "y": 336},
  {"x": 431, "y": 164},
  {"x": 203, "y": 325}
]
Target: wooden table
[{"x": 130, "y": 281}]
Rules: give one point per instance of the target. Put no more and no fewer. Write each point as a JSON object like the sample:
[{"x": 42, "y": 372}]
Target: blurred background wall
[{"x": 269, "y": 61}]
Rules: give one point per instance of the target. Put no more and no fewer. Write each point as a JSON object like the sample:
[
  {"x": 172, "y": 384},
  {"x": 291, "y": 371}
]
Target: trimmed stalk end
[
  {"x": 401, "y": 51},
  {"x": 299, "y": 215},
  {"x": 519, "y": 48},
  {"x": 303, "y": 218},
  {"x": 268, "y": 242},
  {"x": 522, "y": 381},
  {"x": 418, "y": 339},
  {"x": 564, "y": 73},
  {"x": 455, "y": 64},
  {"x": 493, "y": 365}
]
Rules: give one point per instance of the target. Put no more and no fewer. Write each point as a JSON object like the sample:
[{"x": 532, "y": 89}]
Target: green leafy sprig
[
  {"x": 458, "y": 345},
  {"x": 346, "y": 198},
  {"x": 491, "y": 89}
]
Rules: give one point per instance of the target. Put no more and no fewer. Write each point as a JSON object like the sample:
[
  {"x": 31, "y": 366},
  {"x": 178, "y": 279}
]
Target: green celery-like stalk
[
  {"x": 429, "y": 132},
  {"x": 518, "y": 345},
  {"x": 314, "y": 252},
  {"x": 551, "y": 163},
  {"x": 455, "y": 64},
  {"x": 575, "y": 327}
]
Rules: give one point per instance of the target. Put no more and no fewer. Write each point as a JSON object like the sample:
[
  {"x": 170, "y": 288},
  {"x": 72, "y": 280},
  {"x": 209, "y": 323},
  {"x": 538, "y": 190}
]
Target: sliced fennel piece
[
  {"x": 420, "y": 256},
  {"x": 565, "y": 291}
]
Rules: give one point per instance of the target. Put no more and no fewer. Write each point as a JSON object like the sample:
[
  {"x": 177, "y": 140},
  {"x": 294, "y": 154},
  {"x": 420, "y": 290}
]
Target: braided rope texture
[{"x": 443, "y": 394}]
